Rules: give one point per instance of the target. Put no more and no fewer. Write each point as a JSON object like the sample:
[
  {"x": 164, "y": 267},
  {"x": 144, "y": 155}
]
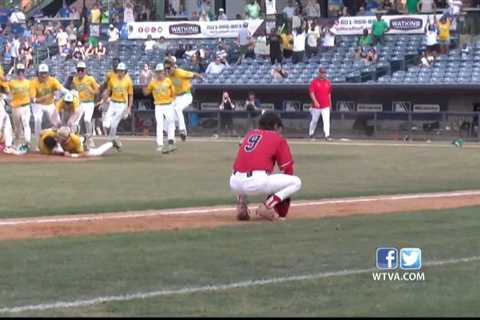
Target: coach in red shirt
[{"x": 321, "y": 94}]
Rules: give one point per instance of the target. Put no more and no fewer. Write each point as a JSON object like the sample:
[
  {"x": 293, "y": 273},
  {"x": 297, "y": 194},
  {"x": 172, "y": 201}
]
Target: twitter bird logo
[{"x": 410, "y": 259}]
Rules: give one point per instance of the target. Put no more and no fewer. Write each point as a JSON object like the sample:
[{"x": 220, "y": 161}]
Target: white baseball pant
[
  {"x": 87, "y": 111},
  {"x": 96, "y": 152},
  {"x": 165, "y": 113},
  {"x": 21, "y": 123},
  {"x": 261, "y": 183},
  {"x": 316, "y": 113},
  {"x": 38, "y": 110},
  {"x": 6, "y": 131},
  {"x": 113, "y": 116},
  {"x": 181, "y": 103}
]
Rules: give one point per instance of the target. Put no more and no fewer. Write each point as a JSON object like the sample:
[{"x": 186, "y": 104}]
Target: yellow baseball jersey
[
  {"x": 3, "y": 82},
  {"x": 41, "y": 144},
  {"x": 111, "y": 74},
  {"x": 120, "y": 89},
  {"x": 62, "y": 105},
  {"x": 19, "y": 92},
  {"x": 45, "y": 89},
  {"x": 181, "y": 80},
  {"x": 84, "y": 86},
  {"x": 73, "y": 144},
  {"x": 163, "y": 91}
]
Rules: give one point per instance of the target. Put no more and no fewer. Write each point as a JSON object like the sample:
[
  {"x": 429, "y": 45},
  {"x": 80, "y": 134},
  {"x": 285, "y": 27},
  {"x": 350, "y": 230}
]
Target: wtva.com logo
[{"x": 407, "y": 259}]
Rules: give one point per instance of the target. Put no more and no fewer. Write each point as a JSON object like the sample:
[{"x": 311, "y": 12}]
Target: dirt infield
[
  {"x": 37, "y": 157},
  {"x": 218, "y": 216}
]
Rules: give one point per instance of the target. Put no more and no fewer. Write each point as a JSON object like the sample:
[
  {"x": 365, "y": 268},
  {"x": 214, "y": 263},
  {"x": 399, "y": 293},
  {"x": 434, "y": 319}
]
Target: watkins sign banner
[
  {"x": 193, "y": 29},
  {"x": 398, "y": 24}
]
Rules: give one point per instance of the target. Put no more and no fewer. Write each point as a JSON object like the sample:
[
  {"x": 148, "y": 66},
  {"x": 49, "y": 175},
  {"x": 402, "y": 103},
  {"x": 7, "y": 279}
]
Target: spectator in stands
[
  {"x": 162, "y": 44},
  {"x": 79, "y": 52},
  {"x": 100, "y": 50},
  {"x": 412, "y": 6},
  {"x": 113, "y": 34},
  {"x": 379, "y": 28},
  {"x": 252, "y": 103},
  {"x": 65, "y": 11},
  {"x": 278, "y": 73},
  {"x": 443, "y": 26},
  {"x": 360, "y": 54},
  {"x": 226, "y": 117},
  {"x": 221, "y": 15},
  {"x": 287, "y": 43},
  {"x": 146, "y": 75},
  {"x": 426, "y": 6},
  {"x": 275, "y": 47},
  {"x": 392, "y": 8},
  {"x": 203, "y": 17},
  {"x": 312, "y": 9},
  {"x": 194, "y": 16},
  {"x": 90, "y": 51},
  {"x": 95, "y": 14},
  {"x": 198, "y": 65},
  {"x": 221, "y": 52},
  {"x": 431, "y": 35},
  {"x": 349, "y": 8},
  {"x": 271, "y": 7},
  {"x": 150, "y": 44},
  {"x": 251, "y": 54},
  {"x": 372, "y": 56},
  {"x": 217, "y": 66},
  {"x": 128, "y": 14},
  {"x": 17, "y": 17},
  {"x": 180, "y": 51},
  {"x": 243, "y": 39},
  {"x": 426, "y": 60},
  {"x": 15, "y": 49},
  {"x": 252, "y": 10},
  {"x": 62, "y": 40},
  {"x": 313, "y": 35},
  {"x": 289, "y": 10},
  {"x": 465, "y": 51},
  {"x": 454, "y": 7},
  {"x": 329, "y": 32},
  {"x": 365, "y": 40},
  {"x": 298, "y": 45},
  {"x": 74, "y": 14},
  {"x": 26, "y": 54}
]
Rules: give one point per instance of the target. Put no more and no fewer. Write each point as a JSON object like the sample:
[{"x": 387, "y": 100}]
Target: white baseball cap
[
  {"x": 121, "y": 67},
  {"x": 81, "y": 65},
  {"x": 160, "y": 67},
  {"x": 20, "y": 66},
  {"x": 68, "y": 97},
  {"x": 43, "y": 68}
]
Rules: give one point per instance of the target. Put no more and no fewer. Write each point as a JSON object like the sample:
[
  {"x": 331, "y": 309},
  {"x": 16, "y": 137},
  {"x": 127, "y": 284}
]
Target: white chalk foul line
[
  {"x": 209, "y": 288},
  {"x": 114, "y": 216}
]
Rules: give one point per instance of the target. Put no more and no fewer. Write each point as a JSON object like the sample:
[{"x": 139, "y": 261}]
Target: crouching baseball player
[
  {"x": 64, "y": 142},
  {"x": 252, "y": 171}
]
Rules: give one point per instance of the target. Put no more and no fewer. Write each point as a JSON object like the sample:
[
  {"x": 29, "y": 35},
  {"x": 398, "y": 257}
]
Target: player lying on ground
[
  {"x": 252, "y": 171},
  {"x": 64, "y": 142}
]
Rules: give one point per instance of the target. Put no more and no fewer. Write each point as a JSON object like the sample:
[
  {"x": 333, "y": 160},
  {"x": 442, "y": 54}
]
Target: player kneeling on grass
[
  {"x": 252, "y": 171},
  {"x": 64, "y": 142},
  {"x": 163, "y": 95}
]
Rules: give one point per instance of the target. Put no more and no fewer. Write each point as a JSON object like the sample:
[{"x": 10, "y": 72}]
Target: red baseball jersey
[
  {"x": 260, "y": 150},
  {"x": 322, "y": 90}
]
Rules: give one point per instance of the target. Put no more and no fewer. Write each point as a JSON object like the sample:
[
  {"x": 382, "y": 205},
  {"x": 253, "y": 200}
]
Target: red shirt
[
  {"x": 260, "y": 150},
  {"x": 322, "y": 89}
]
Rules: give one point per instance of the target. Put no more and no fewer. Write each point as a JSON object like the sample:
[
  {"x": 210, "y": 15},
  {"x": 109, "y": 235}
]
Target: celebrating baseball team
[{"x": 259, "y": 151}]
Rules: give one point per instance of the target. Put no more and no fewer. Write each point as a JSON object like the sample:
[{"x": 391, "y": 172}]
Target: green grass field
[
  {"x": 197, "y": 174},
  {"x": 72, "y": 269}
]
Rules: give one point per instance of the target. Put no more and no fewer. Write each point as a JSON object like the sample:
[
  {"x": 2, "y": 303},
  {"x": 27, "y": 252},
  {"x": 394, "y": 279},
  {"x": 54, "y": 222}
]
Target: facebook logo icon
[{"x": 387, "y": 258}]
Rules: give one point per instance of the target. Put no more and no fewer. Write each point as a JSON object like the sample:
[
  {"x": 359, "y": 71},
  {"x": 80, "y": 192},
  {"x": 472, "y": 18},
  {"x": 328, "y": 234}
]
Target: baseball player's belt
[
  {"x": 183, "y": 93},
  {"x": 118, "y": 101},
  {"x": 249, "y": 173}
]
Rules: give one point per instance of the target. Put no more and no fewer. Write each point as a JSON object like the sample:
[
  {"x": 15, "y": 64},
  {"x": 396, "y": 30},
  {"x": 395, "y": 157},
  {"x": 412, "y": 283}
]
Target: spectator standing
[
  {"x": 275, "y": 47},
  {"x": 64, "y": 12},
  {"x": 226, "y": 117},
  {"x": 289, "y": 10},
  {"x": 222, "y": 15},
  {"x": 95, "y": 14},
  {"x": 298, "y": 45},
  {"x": 252, "y": 103},
  {"x": 150, "y": 44},
  {"x": 128, "y": 14},
  {"x": 243, "y": 39},
  {"x": 113, "y": 34},
  {"x": 287, "y": 43},
  {"x": 379, "y": 28},
  {"x": 313, "y": 34},
  {"x": 74, "y": 14},
  {"x": 431, "y": 36},
  {"x": 321, "y": 94},
  {"x": 365, "y": 39},
  {"x": 15, "y": 50},
  {"x": 312, "y": 9},
  {"x": 329, "y": 33},
  {"x": 412, "y": 6},
  {"x": 146, "y": 75},
  {"x": 454, "y": 7},
  {"x": 26, "y": 53},
  {"x": 443, "y": 26},
  {"x": 252, "y": 10},
  {"x": 216, "y": 67},
  {"x": 62, "y": 40},
  {"x": 204, "y": 17},
  {"x": 78, "y": 52},
  {"x": 426, "y": 6},
  {"x": 271, "y": 7}
]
